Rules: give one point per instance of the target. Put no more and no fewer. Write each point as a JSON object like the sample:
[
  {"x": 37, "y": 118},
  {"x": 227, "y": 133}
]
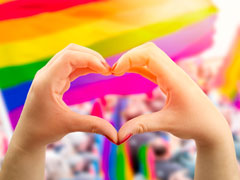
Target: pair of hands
[{"x": 188, "y": 113}]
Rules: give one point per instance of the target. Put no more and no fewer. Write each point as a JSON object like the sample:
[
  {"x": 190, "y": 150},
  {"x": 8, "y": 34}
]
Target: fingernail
[
  {"x": 125, "y": 139},
  {"x": 114, "y": 66},
  {"x": 105, "y": 65},
  {"x": 102, "y": 60},
  {"x": 110, "y": 139},
  {"x": 107, "y": 68}
]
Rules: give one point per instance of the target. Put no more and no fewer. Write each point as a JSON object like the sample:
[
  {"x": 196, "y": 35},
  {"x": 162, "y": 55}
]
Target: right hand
[{"x": 45, "y": 117}]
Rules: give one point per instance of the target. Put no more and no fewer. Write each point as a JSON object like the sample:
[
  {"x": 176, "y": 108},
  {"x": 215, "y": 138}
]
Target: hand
[
  {"x": 45, "y": 117},
  {"x": 188, "y": 113}
]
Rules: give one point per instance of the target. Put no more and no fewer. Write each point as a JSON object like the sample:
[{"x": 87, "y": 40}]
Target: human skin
[
  {"x": 187, "y": 113},
  {"x": 46, "y": 118}
]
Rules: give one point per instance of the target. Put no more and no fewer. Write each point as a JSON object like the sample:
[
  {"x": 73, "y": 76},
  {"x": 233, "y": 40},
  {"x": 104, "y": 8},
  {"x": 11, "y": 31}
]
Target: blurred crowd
[{"x": 78, "y": 156}]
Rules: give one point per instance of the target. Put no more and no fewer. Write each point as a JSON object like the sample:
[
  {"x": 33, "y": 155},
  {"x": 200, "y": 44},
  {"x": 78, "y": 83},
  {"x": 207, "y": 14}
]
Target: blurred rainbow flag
[
  {"x": 32, "y": 31},
  {"x": 228, "y": 78}
]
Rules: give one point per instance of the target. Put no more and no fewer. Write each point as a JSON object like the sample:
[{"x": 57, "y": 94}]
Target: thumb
[
  {"x": 92, "y": 124},
  {"x": 157, "y": 121}
]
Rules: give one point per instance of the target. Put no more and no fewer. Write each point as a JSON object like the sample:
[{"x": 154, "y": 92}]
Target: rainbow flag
[
  {"x": 33, "y": 31},
  {"x": 147, "y": 162},
  {"x": 229, "y": 73},
  {"x": 116, "y": 159}
]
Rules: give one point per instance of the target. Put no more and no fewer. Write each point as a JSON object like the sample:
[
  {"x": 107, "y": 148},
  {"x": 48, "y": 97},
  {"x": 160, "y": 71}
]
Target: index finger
[
  {"x": 169, "y": 75},
  {"x": 76, "y": 47},
  {"x": 60, "y": 73}
]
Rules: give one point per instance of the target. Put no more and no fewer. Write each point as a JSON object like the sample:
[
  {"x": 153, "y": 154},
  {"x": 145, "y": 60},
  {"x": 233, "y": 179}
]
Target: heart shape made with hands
[
  {"x": 143, "y": 60},
  {"x": 54, "y": 79},
  {"x": 137, "y": 61}
]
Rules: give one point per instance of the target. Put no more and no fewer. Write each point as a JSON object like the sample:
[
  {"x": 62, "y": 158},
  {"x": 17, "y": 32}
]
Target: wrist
[
  {"x": 23, "y": 141},
  {"x": 21, "y": 163},
  {"x": 216, "y": 160},
  {"x": 216, "y": 134},
  {"x": 215, "y": 140}
]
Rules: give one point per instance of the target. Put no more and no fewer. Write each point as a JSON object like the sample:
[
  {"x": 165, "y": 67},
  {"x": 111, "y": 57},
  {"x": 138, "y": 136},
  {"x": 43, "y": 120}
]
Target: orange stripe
[
  {"x": 5, "y": 1},
  {"x": 122, "y": 11}
]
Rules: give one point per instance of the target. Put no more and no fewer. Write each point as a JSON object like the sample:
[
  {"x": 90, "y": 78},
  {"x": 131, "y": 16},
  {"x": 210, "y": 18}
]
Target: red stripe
[{"x": 24, "y": 8}]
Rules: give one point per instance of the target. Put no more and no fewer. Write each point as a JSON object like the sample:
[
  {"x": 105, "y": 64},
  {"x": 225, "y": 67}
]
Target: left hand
[{"x": 187, "y": 114}]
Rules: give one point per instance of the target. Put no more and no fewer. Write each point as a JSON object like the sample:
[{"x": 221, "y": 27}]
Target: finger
[
  {"x": 169, "y": 75},
  {"x": 75, "y": 47},
  {"x": 158, "y": 121},
  {"x": 56, "y": 56},
  {"x": 91, "y": 124},
  {"x": 80, "y": 72},
  {"x": 148, "y": 55},
  {"x": 143, "y": 71},
  {"x": 73, "y": 60},
  {"x": 58, "y": 75},
  {"x": 131, "y": 59}
]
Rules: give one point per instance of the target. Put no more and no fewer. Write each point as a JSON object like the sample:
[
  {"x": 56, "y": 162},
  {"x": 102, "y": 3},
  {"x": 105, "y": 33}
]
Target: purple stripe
[{"x": 196, "y": 47}]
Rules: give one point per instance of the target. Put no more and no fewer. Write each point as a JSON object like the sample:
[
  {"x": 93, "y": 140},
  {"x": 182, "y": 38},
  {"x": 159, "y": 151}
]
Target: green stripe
[
  {"x": 13, "y": 75},
  {"x": 142, "y": 155},
  {"x": 120, "y": 166}
]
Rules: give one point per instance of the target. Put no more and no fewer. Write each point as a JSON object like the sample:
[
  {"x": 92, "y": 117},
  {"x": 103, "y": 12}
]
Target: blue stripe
[{"x": 15, "y": 96}]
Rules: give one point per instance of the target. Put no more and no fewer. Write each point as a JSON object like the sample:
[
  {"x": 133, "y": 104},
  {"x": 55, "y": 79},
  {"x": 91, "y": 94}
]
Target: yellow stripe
[
  {"x": 27, "y": 51},
  {"x": 129, "y": 173},
  {"x": 31, "y": 50},
  {"x": 233, "y": 73}
]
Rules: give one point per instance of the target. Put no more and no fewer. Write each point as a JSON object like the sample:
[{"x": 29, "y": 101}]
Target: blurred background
[{"x": 201, "y": 36}]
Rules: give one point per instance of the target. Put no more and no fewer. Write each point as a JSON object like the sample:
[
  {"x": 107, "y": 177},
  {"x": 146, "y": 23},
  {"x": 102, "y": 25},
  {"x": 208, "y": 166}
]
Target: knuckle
[
  {"x": 71, "y": 45},
  {"x": 150, "y": 45},
  {"x": 37, "y": 77},
  {"x": 40, "y": 82},
  {"x": 130, "y": 61},
  {"x": 67, "y": 54},
  {"x": 126, "y": 55},
  {"x": 36, "y": 86},
  {"x": 128, "y": 58},
  {"x": 141, "y": 128},
  {"x": 94, "y": 127},
  {"x": 38, "y": 73},
  {"x": 150, "y": 51}
]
